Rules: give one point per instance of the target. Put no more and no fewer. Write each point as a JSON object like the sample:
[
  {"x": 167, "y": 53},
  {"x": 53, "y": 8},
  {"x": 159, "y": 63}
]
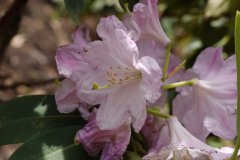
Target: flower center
[{"x": 123, "y": 75}]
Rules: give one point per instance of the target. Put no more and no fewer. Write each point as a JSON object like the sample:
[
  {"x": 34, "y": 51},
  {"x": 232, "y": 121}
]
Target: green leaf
[
  {"x": 237, "y": 50},
  {"x": 128, "y": 155},
  {"x": 27, "y": 106},
  {"x": 19, "y": 131},
  {"x": 53, "y": 145},
  {"x": 75, "y": 7},
  {"x": 129, "y": 3},
  {"x": 27, "y": 117}
]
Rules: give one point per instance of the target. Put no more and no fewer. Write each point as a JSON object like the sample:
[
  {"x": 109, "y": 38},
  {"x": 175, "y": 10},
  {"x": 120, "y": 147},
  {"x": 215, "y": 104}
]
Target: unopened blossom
[
  {"x": 69, "y": 59},
  {"x": 183, "y": 145},
  {"x": 123, "y": 80},
  {"x": 112, "y": 143},
  {"x": 145, "y": 29},
  {"x": 209, "y": 105},
  {"x": 145, "y": 17}
]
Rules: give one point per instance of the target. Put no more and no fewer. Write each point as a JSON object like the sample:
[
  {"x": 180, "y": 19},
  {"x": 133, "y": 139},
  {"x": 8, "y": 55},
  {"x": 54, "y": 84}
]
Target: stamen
[{"x": 123, "y": 75}]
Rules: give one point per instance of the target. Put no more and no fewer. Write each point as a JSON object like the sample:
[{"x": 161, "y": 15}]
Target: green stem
[
  {"x": 158, "y": 113},
  {"x": 166, "y": 62},
  {"x": 237, "y": 50},
  {"x": 126, "y": 6},
  {"x": 179, "y": 84},
  {"x": 96, "y": 86}
]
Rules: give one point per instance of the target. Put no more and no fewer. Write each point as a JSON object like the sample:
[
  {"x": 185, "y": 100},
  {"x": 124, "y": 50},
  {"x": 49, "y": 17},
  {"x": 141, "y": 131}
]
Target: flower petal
[
  {"x": 66, "y": 98},
  {"x": 70, "y": 62},
  {"x": 96, "y": 54},
  {"x": 108, "y": 25},
  {"x": 146, "y": 16},
  {"x": 182, "y": 137},
  {"x": 120, "y": 50},
  {"x": 155, "y": 133},
  {"x": 121, "y": 103},
  {"x": 133, "y": 29},
  {"x": 212, "y": 100},
  {"x": 157, "y": 51},
  {"x": 151, "y": 81},
  {"x": 152, "y": 49},
  {"x": 209, "y": 62},
  {"x": 113, "y": 143},
  {"x": 81, "y": 36},
  {"x": 85, "y": 89},
  {"x": 184, "y": 145},
  {"x": 225, "y": 128}
]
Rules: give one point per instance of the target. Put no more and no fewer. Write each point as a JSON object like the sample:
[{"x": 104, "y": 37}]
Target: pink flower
[
  {"x": 69, "y": 59},
  {"x": 145, "y": 29},
  {"x": 112, "y": 143},
  {"x": 184, "y": 145},
  {"x": 146, "y": 18},
  {"x": 210, "y": 104},
  {"x": 126, "y": 82}
]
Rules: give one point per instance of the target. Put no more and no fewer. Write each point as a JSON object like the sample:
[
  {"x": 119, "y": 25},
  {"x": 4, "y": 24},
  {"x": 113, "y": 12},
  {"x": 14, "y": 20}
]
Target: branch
[{"x": 32, "y": 83}]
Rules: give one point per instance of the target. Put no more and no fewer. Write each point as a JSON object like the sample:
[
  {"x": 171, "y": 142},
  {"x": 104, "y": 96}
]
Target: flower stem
[
  {"x": 166, "y": 62},
  {"x": 126, "y": 6},
  {"x": 179, "y": 84},
  {"x": 96, "y": 86},
  {"x": 157, "y": 113},
  {"x": 237, "y": 50}
]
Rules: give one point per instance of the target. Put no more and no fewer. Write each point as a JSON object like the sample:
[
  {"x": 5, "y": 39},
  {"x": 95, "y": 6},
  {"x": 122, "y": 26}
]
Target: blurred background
[{"x": 31, "y": 30}]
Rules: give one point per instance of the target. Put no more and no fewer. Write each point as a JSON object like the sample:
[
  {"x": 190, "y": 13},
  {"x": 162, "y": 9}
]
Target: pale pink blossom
[
  {"x": 144, "y": 27},
  {"x": 71, "y": 65},
  {"x": 209, "y": 106},
  {"x": 112, "y": 143},
  {"x": 126, "y": 81},
  {"x": 145, "y": 17},
  {"x": 183, "y": 145}
]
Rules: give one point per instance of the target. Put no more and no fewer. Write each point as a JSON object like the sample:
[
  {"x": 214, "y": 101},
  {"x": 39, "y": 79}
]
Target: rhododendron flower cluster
[{"x": 118, "y": 82}]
